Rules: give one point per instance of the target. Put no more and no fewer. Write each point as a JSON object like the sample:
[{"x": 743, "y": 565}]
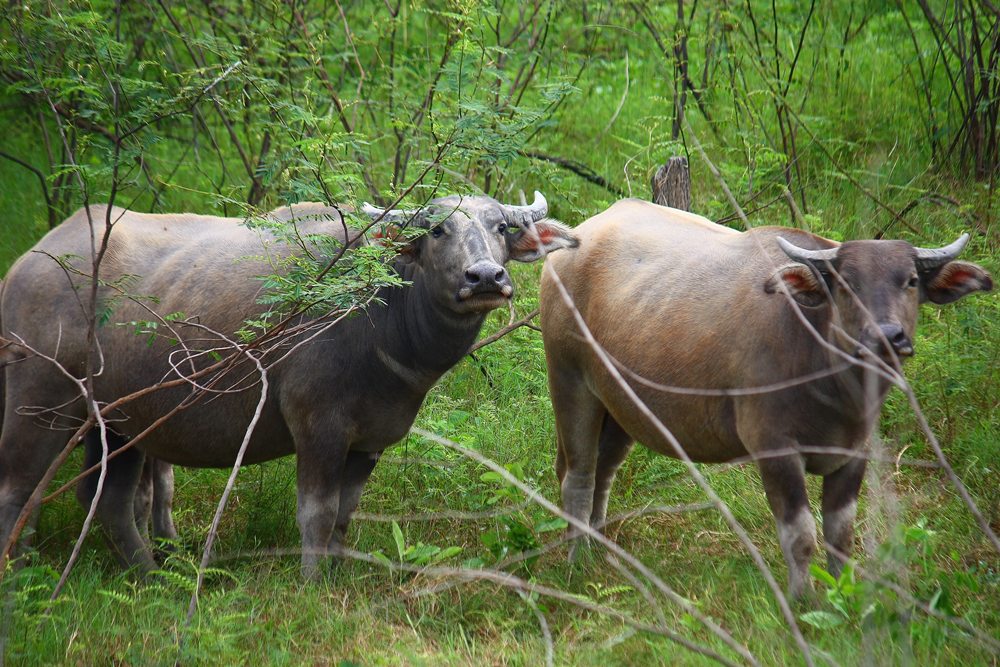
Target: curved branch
[{"x": 578, "y": 168}]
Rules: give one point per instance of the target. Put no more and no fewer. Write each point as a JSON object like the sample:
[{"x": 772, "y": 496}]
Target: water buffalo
[
  {"x": 336, "y": 400},
  {"x": 682, "y": 302},
  {"x": 155, "y": 493}
]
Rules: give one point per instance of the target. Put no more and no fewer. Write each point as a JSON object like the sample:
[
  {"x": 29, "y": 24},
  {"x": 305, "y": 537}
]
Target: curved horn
[
  {"x": 533, "y": 213},
  {"x": 374, "y": 212},
  {"x": 808, "y": 256},
  {"x": 931, "y": 258}
]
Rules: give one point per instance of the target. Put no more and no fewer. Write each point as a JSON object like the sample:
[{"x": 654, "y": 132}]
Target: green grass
[
  {"x": 257, "y": 606},
  {"x": 254, "y": 607}
]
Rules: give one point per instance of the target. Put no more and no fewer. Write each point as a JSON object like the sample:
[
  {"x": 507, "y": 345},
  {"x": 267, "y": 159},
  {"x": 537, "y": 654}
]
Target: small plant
[
  {"x": 850, "y": 599},
  {"x": 877, "y": 603},
  {"x": 418, "y": 554}
]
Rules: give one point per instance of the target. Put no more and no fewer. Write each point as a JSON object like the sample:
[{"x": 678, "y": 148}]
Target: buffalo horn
[
  {"x": 931, "y": 258},
  {"x": 815, "y": 257},
  {"x": 531, "y": 213},
  {"x": 388, "y": 215}
]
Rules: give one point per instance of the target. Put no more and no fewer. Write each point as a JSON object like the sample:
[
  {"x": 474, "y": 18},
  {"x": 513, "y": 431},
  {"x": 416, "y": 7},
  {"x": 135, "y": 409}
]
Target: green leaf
[
  {"x": 549, "y": 525},
  {"x": 821, "y": 620},
  {"x": 446, "y": 553},
  {"x": 421, "y": 554},
  {"x": 492, "y": 477},
  {"x": 397, "y": 536},
  {"x": 822, "y": 575}
]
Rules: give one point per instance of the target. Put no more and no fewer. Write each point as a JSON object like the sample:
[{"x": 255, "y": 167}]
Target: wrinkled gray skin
[
  {"x": 683, "y": 302},
  {"x": 336, "y": 403},
  {"x": 155, "y": 493}
]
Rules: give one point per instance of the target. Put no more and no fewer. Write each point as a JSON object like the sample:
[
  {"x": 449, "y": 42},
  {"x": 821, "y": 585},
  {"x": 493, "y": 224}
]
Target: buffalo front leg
[
  {"x": 319, "y": 488},
  {"x": 785, "y": 486},
  {"x": 840, "y": 507},
  {"x": 357, "y": 469}
]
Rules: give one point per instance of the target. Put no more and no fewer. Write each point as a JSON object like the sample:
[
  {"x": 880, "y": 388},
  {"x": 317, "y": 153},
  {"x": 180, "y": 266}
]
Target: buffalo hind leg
[
  {"x": 26, "y": 452},
  {"x": 579, "y": 416},
  {"x": 840, "y": 507},
  {"x": 162, "y": 482},
  {"x": 116, "y": 506},
  {"x": 142, "y": 504},
  {"x": 614, "y": 446},
  {"x": 154, "y": 495},
  {"x": 785, "y": 486}
]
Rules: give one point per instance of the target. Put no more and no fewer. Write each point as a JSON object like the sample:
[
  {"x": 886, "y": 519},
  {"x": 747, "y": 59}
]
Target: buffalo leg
[
  {"x": 162, "y": 482},
  {"x": 785, "y": 486},
  {"x": 319, "y": 486},
  {"x": 840, "y": 507},
  {"x": 154, "y": 495},
  {"x": 614, "y": 446},
  {"x": 579, "y": 415},
  {"x": 357, "y": 469},
  {"x": 26, "y": 451},
  {"x": 142, "y": 504},
  {"x": 116, "y": 506}
]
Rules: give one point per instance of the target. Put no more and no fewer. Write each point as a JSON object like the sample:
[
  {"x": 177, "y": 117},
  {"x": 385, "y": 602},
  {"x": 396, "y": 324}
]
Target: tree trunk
[{"x": 672, "y": 184}]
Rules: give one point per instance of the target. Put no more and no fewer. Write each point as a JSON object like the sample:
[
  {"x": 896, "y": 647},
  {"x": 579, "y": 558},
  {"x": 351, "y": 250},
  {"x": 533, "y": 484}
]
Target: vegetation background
[{"x": 854, "y": 120}]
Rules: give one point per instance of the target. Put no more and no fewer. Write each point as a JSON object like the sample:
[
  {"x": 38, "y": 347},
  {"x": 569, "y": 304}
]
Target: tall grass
[{"x": 860, "y": 104}]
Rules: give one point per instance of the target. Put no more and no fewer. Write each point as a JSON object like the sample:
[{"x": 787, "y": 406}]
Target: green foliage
[
  {"x": 418, "y": 554},
  {"x": 236, "y": 109},
  {"x": 874, "y": 604}
]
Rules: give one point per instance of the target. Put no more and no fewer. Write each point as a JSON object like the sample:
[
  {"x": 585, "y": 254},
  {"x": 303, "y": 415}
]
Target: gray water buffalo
[
  {"x": 155, "y": 493},
  {"x": 335, "y": 400},
  {"x": 684, "y": 303}
]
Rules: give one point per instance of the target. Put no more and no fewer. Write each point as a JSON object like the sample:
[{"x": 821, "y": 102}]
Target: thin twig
[{"x": 523, "y": 322}]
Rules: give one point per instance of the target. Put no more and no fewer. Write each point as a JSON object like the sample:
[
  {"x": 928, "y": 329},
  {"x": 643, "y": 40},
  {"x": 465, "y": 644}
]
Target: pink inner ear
[
  {"x": 546, "y": 235},
  {"x": 390, "y": 233},
  {"x": 796, "y": 281},
  {"x": 958, "y": 277}
]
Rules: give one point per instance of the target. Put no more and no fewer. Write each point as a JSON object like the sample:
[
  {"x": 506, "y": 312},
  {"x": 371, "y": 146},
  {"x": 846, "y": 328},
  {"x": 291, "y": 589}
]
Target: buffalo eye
[
  {"x": 913, "y": 281},
  {"x": 502, "y": 227},
  {"x": 436, "y": 232}
]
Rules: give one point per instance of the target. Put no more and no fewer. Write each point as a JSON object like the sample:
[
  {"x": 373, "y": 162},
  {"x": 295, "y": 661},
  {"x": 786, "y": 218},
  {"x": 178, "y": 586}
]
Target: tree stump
[{"x": 672, "y": 184}]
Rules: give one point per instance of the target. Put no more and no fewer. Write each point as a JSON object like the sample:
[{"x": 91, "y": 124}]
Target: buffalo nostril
[
  {"x": 485, "y": 275},
  {"x": 897, "y": 338}
]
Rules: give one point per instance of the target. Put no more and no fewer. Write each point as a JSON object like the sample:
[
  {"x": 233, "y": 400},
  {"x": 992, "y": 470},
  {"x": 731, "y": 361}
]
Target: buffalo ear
[
  {"x": 539, "y": 239},
  {"x": 393, "y": 236},
  {"x": 801, "y": 283},
  {"x": 954, "y": 280}
]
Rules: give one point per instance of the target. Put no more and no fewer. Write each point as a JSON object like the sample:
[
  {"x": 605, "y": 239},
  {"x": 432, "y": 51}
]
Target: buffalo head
[
  {"x": 876, "y": 287},
  {"x": 468, "y": 240}
]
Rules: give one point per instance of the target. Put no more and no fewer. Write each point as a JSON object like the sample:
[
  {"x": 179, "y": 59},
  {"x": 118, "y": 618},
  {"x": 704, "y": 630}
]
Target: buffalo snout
[
  {"x": 892, "y": 334},
  {"x": 485, "y": 277}
]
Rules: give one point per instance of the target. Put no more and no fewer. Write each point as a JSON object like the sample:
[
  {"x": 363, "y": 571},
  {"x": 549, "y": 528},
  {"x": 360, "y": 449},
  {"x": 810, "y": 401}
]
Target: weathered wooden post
[{"x": 672, "y": 184}]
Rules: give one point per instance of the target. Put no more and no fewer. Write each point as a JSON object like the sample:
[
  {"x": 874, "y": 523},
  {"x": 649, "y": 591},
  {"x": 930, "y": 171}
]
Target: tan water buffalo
[
  {"x": 682, "y": 302},
  {"x": 336, "y": 401}
]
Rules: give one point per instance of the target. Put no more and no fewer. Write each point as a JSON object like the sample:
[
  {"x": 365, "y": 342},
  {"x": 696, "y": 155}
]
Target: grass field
[{"x": 914, "y": 532}]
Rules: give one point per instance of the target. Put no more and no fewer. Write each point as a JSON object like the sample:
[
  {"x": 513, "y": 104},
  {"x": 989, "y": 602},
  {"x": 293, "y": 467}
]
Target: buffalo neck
[
  {"x": 855, "y": 392},
  {"x": 418, "y": 337}
]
